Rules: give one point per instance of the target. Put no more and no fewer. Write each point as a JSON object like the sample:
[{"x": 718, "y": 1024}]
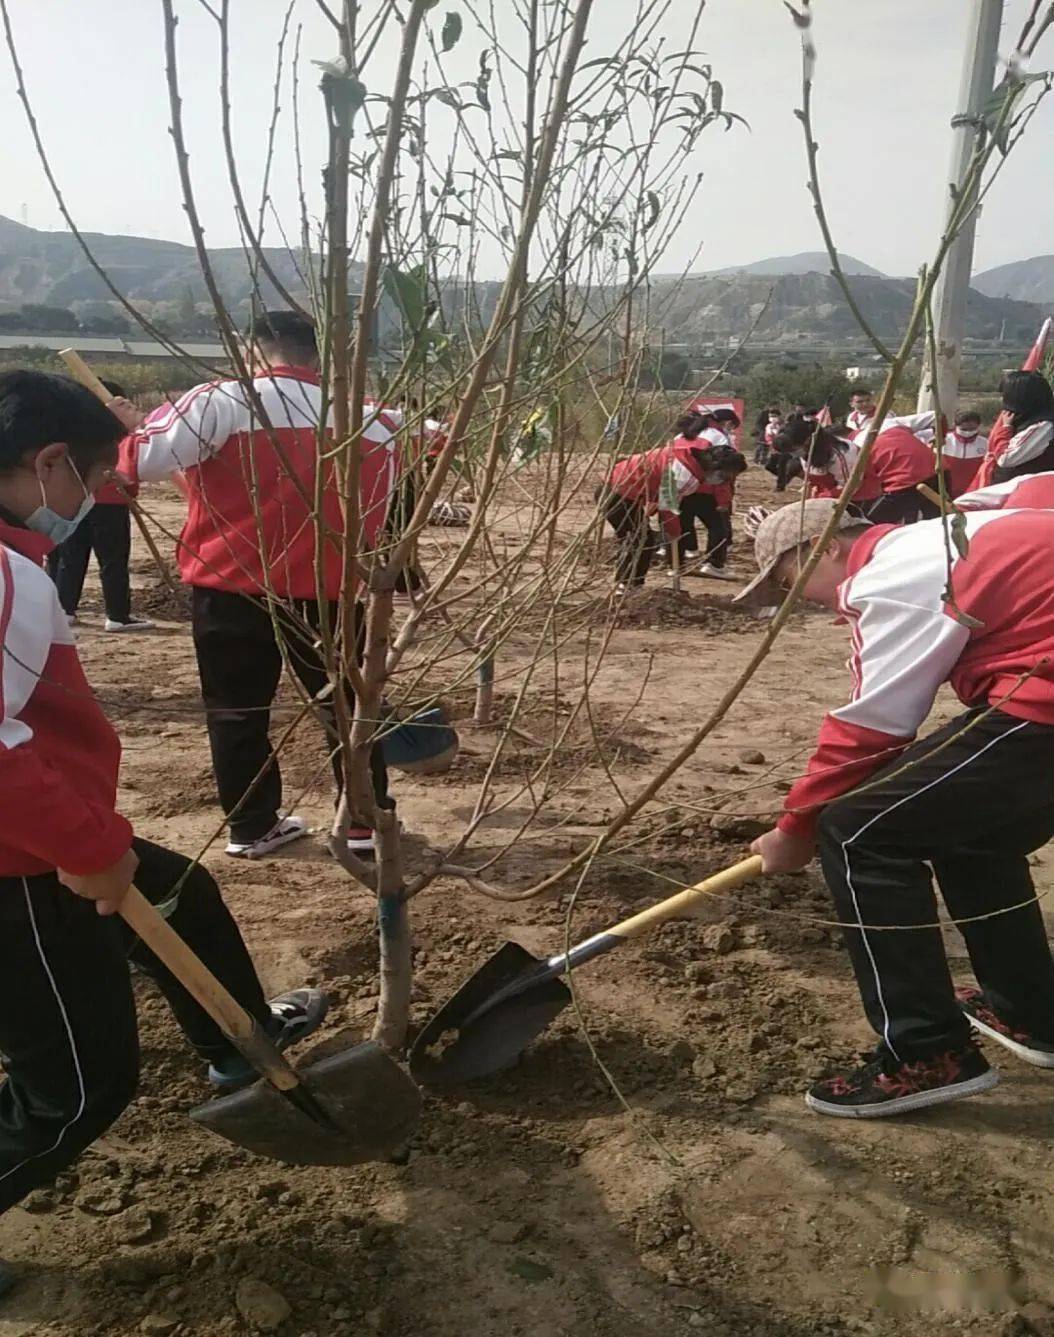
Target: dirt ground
[{"x": 533, "y": 1203}]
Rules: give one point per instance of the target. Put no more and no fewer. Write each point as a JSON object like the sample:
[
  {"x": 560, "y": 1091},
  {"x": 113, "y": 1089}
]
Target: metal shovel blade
[
  {"x": 478, "y": 1032},
  {"x": 371, "y": 1104}
]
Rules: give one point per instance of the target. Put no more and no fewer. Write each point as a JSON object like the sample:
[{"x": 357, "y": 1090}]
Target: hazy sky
[{"x": 887, "y": 81}]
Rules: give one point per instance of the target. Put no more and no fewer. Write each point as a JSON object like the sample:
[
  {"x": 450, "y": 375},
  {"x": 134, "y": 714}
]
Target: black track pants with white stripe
[
  {"x": 67, "y": 1017},
  {"x": 970, "y": 802}
]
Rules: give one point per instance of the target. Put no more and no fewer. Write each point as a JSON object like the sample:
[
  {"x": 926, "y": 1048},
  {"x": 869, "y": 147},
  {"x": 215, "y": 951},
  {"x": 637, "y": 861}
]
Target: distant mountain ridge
[
  {"x": 1024, "y": 280},
  {"x": 50, "y": 268},
  {"x": 806, "y": 262},
  {"x": 803, "y": 302},
  {"x": 793, "y": 307}
]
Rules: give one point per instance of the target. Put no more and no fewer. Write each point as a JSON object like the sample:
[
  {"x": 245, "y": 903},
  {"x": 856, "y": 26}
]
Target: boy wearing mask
[{"x": 67, "y": 857}]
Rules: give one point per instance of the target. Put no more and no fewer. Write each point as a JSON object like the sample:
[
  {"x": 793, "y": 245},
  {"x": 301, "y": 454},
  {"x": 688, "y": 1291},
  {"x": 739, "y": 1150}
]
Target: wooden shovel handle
[
  {"x": 931, "y": 494},
  {"x": 685, "y": 900},
  {"x": 80, "y": 371},
  {"x": 205, "y": 988}
]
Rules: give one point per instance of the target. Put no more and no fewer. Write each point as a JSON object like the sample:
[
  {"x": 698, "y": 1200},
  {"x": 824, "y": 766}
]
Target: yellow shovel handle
[{"x": 686, "y": 900}]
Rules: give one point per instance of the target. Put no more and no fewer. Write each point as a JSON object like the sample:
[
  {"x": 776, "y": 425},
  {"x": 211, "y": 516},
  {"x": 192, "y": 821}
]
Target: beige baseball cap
[{"x": 786, "y": 529}]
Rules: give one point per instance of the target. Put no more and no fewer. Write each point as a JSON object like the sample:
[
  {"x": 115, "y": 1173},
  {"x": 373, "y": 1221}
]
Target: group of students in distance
[
  {"x": 692, "y": 478},
  {"x": 67, "y": 856}
]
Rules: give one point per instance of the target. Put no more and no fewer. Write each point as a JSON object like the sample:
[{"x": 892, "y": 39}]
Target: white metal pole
[{"x": 949, "y": 302}]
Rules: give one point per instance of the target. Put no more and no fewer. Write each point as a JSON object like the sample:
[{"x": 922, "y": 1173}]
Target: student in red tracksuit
[
  {"x": 967, "y": 804},
  {"x": 712, "y": 503},
  {"x": 1024, "y": 478},
  {"x": 67, "y": 1014},
  {"x": 1028, "y": 412},
  {"x": 248, "y": 533},
  {"x": 653, "y": 481},
  {"x": 964, "y": 448},
  {"x": 861, "y": 411},
  {"x": 899, "y": 460},
  {"x": 107, "y": 531}
]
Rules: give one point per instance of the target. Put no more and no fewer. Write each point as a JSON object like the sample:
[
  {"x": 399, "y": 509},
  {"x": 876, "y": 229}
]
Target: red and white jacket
[
  {"x": 1019, "y": 447},
  {"x": 1026, "y": 492},
  {"x": 435, "y": 436},
  {"x": 250, "y": 486},
  {"x": 59, "y": 756},
  {"x": 900, "y": 457},
  {"x": 829, "y": 480},
  {"x": 962, "y": 458},
  {"x": 906, "y": 643},
  {"x": 655, "y": 476},
  {"x": 724, "y": 492},
  {"x": 857, "y": 421}
]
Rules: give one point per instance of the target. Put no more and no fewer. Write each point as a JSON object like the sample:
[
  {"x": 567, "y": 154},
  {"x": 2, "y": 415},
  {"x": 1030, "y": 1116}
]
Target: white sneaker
[
  {"x": 133, "y": 624},
  {"x": 715, "y": 572},
  {"x": 360, "y": 841},
  {"x": 284, "y": 832}
]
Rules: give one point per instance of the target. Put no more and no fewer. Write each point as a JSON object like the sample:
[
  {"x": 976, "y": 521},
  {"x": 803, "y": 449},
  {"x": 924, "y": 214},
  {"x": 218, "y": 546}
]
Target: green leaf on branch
[
  {"x": 483, "y": 80},
  {"x": 408, "y": 289},
  {"x": 343, "y": 92},
  {"x": 448, "y": 97},
  {"x": 717, "y": 97},
  {"x": 998, "y": 113},
  {"x": 959, "y": 537},
  {"x": 652, "y": 203},
  {"x": 452, "y": 28}
]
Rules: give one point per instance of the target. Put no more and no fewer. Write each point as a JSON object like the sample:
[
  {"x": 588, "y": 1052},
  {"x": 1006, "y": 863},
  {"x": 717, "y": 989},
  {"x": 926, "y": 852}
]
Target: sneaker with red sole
[
  {"x": 360, "y": 841},
  {"x": 883, "y": 1085},
  {"x": 984, "y": 1018}
]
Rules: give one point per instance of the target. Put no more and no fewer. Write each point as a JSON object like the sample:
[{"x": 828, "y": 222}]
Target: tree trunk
[{"x": 396, "y": 941}]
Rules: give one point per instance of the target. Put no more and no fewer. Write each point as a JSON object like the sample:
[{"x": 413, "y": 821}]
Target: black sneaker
[
  {"x": 294, "y": 1016},
  {"x": 984, "y": 1018},
  {"x": 884, "y": 1085}
]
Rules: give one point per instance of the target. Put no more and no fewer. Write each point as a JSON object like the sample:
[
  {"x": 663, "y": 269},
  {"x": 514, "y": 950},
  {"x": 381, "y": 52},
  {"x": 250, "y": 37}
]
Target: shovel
[
  {"x": 511, "y": 999},
  {"x": 352, "y": 1107}
]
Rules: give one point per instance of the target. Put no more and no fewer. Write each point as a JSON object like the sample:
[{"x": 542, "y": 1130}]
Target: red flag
[
  {"x": 1039, "y": 349},
  {"x": 824, "y": 416}
]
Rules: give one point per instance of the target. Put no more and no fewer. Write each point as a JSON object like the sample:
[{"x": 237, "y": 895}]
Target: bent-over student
[
  {"x": 67, "y": 856},
  {"x": 653, "y": 481},
  {"x": 966, "y": 805},
  {"x": 712, "y": 504}
]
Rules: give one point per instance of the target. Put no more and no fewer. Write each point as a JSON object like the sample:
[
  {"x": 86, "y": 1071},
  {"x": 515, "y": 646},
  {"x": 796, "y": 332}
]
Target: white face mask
[
  {"x": 57, "y": 527},
  {"x": 967, "y": 433}
]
